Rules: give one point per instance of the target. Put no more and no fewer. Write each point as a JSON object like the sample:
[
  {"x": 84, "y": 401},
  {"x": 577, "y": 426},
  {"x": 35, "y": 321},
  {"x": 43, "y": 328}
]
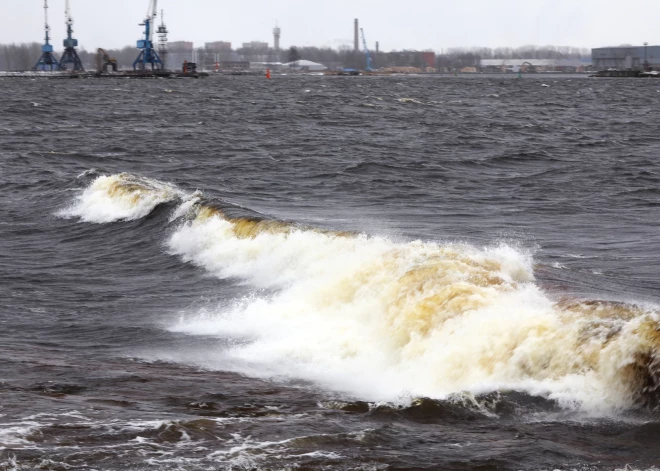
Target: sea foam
[
  {"x": 380, "y": 319},
  {"x": 121, "y": 197}
]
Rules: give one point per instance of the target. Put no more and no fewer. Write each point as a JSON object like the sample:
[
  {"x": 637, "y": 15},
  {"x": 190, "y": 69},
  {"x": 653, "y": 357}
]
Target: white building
[
  {"x": 540, "y": 65},
  {"x": 305, "y": 66}
]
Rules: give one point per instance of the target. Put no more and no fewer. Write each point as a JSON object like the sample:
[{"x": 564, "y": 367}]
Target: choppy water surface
[{"x": 373, "y": 273}]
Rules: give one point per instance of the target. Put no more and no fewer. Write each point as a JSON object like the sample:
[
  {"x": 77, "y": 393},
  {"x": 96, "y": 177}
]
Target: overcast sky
[{"x": 396, "y": 24}]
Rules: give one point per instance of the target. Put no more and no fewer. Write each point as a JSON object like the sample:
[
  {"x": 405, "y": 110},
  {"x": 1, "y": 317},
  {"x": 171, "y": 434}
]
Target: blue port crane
[
  {"x": 148, "y": 55},
  {"x": 70, "y": 58},
  {"x": 47, "y": 61},
  {"x": 366, "y": 52}
]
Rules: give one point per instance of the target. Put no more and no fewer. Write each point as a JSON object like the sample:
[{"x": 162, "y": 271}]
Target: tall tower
[
  {"x": 277, "y": 34},
  {"x": 356, "y": 36},
  {"x": 162, "y": 39},
  {"x": 47, "y": 61},
  {"x": 70, "y": 55}
]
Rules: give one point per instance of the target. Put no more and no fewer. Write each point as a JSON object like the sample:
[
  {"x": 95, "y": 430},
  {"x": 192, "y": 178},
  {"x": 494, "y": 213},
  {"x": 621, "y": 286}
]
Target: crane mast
[
  {"x": 70, "y": 56},
  {"x": 151, "y": 16},
  {"x": 366, "y": 52},
  {"x": 47, "y": 61},
  {"x": 67, "y": 14}
]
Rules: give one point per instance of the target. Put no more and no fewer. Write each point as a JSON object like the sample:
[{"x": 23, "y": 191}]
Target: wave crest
[{"x": 122, "y": 197}]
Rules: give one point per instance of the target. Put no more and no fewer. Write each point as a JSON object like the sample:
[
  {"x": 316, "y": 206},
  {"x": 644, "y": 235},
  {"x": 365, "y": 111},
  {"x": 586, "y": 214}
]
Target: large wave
[{"x": 378, "y": 318}]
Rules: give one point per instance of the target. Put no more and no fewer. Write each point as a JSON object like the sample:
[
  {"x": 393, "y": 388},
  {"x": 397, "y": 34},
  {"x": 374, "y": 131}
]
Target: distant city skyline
[{"x": 396, "y": 25}]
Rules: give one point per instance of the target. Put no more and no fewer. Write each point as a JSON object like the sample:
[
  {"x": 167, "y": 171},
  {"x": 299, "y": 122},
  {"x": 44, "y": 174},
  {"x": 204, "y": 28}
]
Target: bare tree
[{"x": 294, "y": 54}]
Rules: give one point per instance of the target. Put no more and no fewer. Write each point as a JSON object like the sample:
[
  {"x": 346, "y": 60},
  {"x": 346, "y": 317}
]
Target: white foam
[
  {"x": 15, "y": 434},
  {"x": 120, "y": 198},
  {"x": 327, "y": 455},
  {"x": 353, "y": 314},
  {"x": 383, "y": 320}
]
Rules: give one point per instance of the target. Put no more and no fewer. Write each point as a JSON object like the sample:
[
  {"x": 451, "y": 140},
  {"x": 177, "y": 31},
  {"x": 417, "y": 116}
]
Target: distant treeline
[
  {"x": 25, "y": 56},
  {"x": 458, "y": 58},
  {"x": 19, "y": 56},
  {"x": 525, "y": 52}
]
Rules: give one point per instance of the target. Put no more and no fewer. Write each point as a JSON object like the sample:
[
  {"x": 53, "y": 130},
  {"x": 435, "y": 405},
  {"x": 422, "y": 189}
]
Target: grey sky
[{"x": 397, "y": 24}]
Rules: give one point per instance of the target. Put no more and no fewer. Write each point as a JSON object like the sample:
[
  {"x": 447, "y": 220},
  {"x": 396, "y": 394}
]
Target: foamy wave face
[
  {"x": 120, "y": 197},
  {"x": 381, "y": 319}
]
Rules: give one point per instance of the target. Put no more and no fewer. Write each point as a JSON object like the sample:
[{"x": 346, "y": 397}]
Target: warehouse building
[
  {"x": 218, "y": 46},
  {"x": 626, "y": 58},
  {"x": 177, "y": 53},
  {"x": 535, "y": 65},
  {"x": 305, "y": 66}
]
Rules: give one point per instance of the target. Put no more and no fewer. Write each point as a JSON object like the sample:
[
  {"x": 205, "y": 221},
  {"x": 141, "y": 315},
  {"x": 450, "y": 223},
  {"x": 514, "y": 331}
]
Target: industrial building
[
  {"x": 406, "y": 61},
  {"x": 218, "y": 46},
  {"x": 428, "y": 59},
  {"x": 178, "y": 52},
  {"x": 297, "y": 66},
  {"x": 534, "y": 65},
  {"x": 626, "y": 58},
  {"x": 180, "y": 46},
  {"x": 256, "y": 45},
  {"x": 305, "y": 66},
  {"x": 218, "y": 55}
]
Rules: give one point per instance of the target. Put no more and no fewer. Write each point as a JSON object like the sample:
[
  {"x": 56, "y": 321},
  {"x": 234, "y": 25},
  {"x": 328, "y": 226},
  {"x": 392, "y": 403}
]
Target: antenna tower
[{"x": 162, "y": 39}]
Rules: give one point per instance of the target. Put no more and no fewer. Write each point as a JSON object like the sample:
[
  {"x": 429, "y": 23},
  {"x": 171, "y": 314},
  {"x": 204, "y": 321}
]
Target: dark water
[{"x": 131, "y": 338}]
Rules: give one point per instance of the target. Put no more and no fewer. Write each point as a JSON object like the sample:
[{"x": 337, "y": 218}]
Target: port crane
[
  {"x": 70, "y": 55},
  {"x": 47, "y": 61},
  {"x": 148, "y": 55},
  {"x": 366, "y": 52}
]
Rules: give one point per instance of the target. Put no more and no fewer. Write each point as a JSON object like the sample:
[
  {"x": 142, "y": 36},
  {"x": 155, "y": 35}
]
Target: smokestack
[
  {"x": 356, "y": 45},
  {"x": 377, "y": 47}
]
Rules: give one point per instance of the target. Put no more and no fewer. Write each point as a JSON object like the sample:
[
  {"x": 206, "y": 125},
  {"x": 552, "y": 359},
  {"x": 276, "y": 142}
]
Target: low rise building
[
  {"x": 535, "y": 65},
  {"x": 626, "y": 57},
  {"x": 218, "y": 46},
  {"x": 179, "y": 52},
  {"x": 180, "y": 46},
  {"x": 305, "y": 66},
  {"x": 256, "y": 45}
]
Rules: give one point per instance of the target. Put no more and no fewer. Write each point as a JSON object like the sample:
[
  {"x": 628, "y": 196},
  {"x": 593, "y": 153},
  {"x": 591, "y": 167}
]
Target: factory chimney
[
  {"x": 356, "y": 37},
  {"x": 277, "y": 33}
]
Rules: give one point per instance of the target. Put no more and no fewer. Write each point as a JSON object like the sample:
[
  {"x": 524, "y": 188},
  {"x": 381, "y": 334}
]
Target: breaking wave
[
  {"x": 382, "y": 319},
  {"x": 120, "y": 197}
]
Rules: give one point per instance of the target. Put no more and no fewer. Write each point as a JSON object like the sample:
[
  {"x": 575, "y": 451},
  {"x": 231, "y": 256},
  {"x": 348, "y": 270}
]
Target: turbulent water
[{"x": 330, "y": 273}]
